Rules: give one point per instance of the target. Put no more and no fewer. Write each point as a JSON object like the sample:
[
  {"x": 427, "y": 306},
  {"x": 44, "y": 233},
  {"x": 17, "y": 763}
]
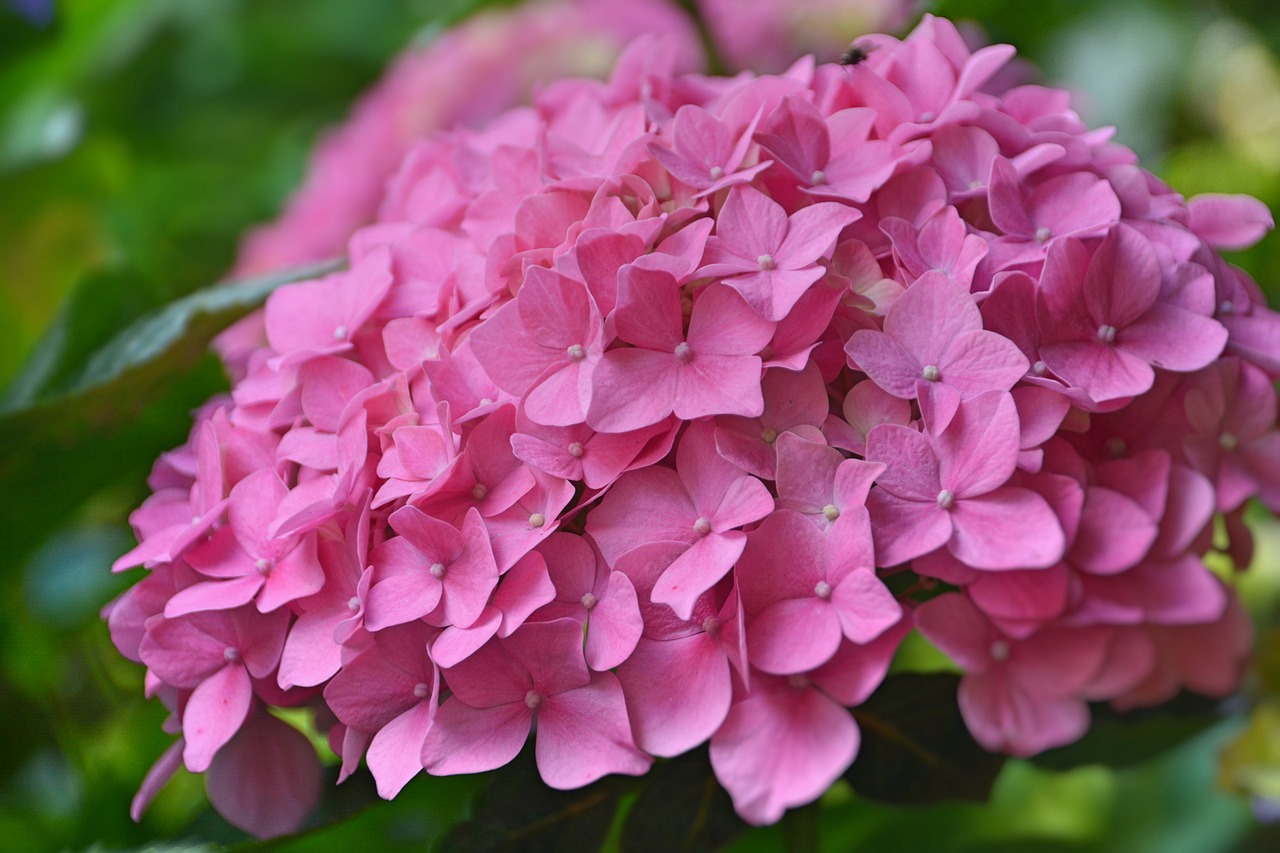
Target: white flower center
[
  {"x": 1107, "y": 334},
  {"x": 437, "y": 570},
  {"x": 831, "y": 512},
  {"x": 1227, "y": 307},
  {"x": 231, "y": 655},
  {"x": 818, "y": 178},
  {"x": 683, "y": 351},
  {"x": 931, "y": 373},
  {"x": 1039, "y": 368},
  {"x": 1042, "y": 234},
  {"x": 767, "y": 262},
  {"x": 769, "y": 436},
  {"x": 421, "y": 690},
  {"x": 589, "y": 601},
  {"x": 353, "y": 603},
  {"x": 702, "y": 525},
  {"x": 340, "y": 333},
  {"x": 999, "y": 650},
  {"x": 716, "y": 173},
  {"x": 711, "y": 625},
  {"x": 263, "y": 566},
  {"x": 946, "y": 500},
  {"x": 533, "y": 699},
  {"x": 537, "y": 519},
  {"x": 479, "y": 491},
  {"x": 822, "y": 589},
  {"x": 576, "y": 450},
  {"x": 577, "y": 352}
]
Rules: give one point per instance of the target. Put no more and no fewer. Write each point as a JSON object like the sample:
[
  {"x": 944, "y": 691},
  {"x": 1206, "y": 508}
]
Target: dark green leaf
[
  {"x": 681, "y": 807},
  {"x": 1123, "y": 740},
  {"x": 518, "y": 812},
  {"x": 915, "y": 747},
  {"x": 133, "y": 397},
  {"x": 97, "y": 309}
]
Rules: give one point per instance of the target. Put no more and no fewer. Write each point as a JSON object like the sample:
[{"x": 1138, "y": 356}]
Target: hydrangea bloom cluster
[{"x": 630, "y": 403}]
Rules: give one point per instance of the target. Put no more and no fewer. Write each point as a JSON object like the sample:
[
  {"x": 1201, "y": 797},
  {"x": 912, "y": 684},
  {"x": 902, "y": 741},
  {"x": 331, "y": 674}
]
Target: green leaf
[
  {"x": 1120, "y": 740},
  {"x": 518, "y": 812},
  {"x": 101, "y": 304},
  {"x": 915, "y": 746},
  {"x": 132, "y": 398},
  {"x": 681, "y": 808}
]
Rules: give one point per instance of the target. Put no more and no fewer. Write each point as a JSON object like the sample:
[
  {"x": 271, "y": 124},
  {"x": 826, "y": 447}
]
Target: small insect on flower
[{"x": 855, "y": 54}]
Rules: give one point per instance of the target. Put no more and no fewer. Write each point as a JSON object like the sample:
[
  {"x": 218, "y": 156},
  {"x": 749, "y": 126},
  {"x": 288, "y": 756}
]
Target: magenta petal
[
  {"x": 584, "y": 734},
  {"x": 672, "y": 715},
  {"x": 214, "y": 713},
  {"x": 1010, "y": 528},
  {"x": 472, "y": 740}
]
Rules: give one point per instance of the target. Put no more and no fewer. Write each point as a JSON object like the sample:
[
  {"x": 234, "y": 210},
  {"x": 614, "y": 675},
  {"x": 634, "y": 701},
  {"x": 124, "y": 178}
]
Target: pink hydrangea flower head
[{"x": 630, "y": 402}]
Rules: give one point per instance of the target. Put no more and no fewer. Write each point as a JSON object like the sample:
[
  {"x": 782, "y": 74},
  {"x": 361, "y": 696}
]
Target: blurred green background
[{"x": 140, "y": 138}]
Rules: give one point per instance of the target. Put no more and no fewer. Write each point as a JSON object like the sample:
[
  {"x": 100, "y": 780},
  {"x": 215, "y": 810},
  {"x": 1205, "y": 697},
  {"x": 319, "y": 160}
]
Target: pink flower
[
  {"x": 934, "y": 333},
  {"x": 631, "y": 402},
  {"x": 950, "y": 489},
  {"x": 539, "y": 673},
  {"x": 770, "y": 257},
  {"x": 712, "y": 369}
]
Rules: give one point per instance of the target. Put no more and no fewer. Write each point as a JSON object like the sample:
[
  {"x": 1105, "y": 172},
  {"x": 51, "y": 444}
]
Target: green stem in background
[
  {"x": 800, "y": 828},
  {"x": 715, "y": 64}
]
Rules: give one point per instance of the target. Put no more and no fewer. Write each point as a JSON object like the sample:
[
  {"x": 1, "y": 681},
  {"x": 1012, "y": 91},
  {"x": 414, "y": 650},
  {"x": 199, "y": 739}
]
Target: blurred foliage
[{"x": 138, "y": 140}]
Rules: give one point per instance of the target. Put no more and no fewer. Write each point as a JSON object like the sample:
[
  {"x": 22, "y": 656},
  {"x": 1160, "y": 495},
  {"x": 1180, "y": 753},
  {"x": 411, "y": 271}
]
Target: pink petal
[
  {"x": 697, "y": 570},
  {"x": 472, "y": 740},
  {"x": 775, "y": 644},
  {"x": 615, "y": 625},
  {"x": 214, "y": 713},
  {"x": 584, "y": 734},
  {"x": 672, "y": 715},
  {"x": 905, "y": 529},
  {"x": 1230, "y": 222},
  {"x": 780, "y": 749},
  {"x": 1009, "y": 528},
  {"x": 395, "y": 753},
  {"x": 633, "y": 388},
  {"x": 266, "y": 781}
]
